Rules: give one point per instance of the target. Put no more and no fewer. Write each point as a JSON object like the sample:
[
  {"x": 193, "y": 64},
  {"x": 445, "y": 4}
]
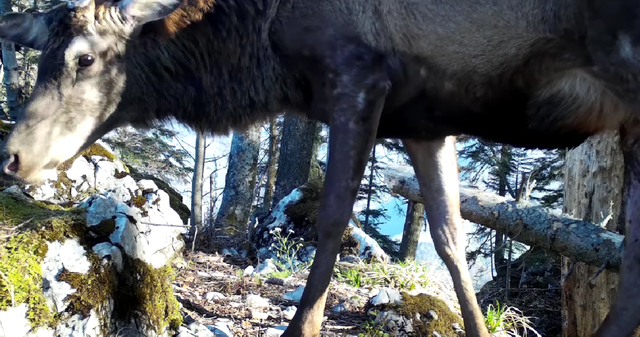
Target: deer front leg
[
  {"x": 436, "y": 169},
  {"x": 355, "y": 92},
  {"x": 624, "y": 317}
]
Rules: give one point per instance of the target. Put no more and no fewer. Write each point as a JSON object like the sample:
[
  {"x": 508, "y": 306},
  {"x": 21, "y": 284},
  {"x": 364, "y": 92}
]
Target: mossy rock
[
  {"x": 27, "y": 226},
  {"x": 63, "y": 184},
  {"x": 148, "y": 290},
  {"x": 421, "y": 304},
  {"x": 175, "y": 198}
]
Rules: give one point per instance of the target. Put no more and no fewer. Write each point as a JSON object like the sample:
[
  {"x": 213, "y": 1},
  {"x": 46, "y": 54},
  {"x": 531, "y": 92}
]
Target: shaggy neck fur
[{"x": 209, "y": 65}]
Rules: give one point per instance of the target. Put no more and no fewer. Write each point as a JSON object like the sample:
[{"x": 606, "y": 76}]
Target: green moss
[
  {"x": 139, "y": 200},
  {"x": 22, "y": 276},
  {"x": 92, "y": 150},
  {"x": 421, "y": 304},
  {"x": 148, "y": 290},
  {"x": 93, "y": 289},
  {"x": 349, "y": 246},
  {"x": 306, "y": 209},
  {"x": 98, "y": 150},
  {"x": 30, "y": 225}
]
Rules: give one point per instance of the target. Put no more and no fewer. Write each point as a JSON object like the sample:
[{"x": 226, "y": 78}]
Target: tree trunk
[
  {"x": 196, "y": 184},
  {"x": 411, "y": 233},
  {"x": 498, "y": 255},
  {"x": 532, "y": 225},
  {"x": 271, "y": 166},
  {"x": 594, "y": 178},
  {"x": 296, "y": 153},
  {"x": 11, "y": 74},
  {"x": 240, "y": 181},
  {"x": 370, "y": 191}
]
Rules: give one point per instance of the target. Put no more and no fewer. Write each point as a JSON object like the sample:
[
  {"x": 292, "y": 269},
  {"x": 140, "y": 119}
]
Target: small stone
[
  {"x": 387, "y": 295},
  {"x": 289, "y": 312},
  {"x": 339, "y": 308},
  {"x": 391, "y": 325},
  {"x": 275, "y": 331},
  {"x": 220, "y": 330},
  {"x": 458, "y": 329},
  {"x": 214, "y": 295},
  {"x": 433, "y": 315},
  {"x": 416, "y": 317},
  {"x": 259, "y": 315},
  {"x": 351, "y": 259},
  {"x": 195, "y": 329},
  {"x": 435, "y": 334},
  {"x": 294, "y": 295},
  {"x": 256, "y": 301},
  {"x": 266, "y": 267},
  {"x": 248, "y": 271}
]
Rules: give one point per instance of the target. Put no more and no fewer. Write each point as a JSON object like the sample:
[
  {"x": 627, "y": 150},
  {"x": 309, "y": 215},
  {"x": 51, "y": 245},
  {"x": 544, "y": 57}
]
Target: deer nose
[{"x": 11, "y": 165}]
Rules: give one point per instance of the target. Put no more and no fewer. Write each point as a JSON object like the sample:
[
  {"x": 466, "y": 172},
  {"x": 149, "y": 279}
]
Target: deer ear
[
  {"x": 143, "y": 11},
  {"x": 27, "y": 29}
]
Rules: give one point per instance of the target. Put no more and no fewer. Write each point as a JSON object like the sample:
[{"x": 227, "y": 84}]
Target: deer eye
[{"x": 85, "y": 60}]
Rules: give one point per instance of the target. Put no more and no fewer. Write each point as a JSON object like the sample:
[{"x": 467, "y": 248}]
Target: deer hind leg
[
  {"x": 624, "y": 317},
  {"x": 437, "y": 171},
  {"x": 356, "y": 87}
]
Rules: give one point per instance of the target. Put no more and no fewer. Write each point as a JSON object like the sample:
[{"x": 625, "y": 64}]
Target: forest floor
[{"x": 212, "y": 289}]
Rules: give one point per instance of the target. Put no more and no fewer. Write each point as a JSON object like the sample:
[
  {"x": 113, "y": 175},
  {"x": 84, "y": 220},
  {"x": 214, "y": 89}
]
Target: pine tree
[
  {"x": 152, "y": 152},
  {"x": 523, "y": 175}
]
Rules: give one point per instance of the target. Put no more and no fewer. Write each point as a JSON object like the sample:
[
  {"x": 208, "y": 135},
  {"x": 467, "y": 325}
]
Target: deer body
[{"x": 417, "y": 70}]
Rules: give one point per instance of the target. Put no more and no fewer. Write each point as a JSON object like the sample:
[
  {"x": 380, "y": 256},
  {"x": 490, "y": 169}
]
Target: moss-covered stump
[
  {"x": 419, "y": 315},
  {"x": 93, "y": 267}
]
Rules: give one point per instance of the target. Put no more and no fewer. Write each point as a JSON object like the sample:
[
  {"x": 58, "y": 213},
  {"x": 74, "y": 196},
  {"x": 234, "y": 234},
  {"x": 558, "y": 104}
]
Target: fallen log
[{"x": 532, "y": 225}]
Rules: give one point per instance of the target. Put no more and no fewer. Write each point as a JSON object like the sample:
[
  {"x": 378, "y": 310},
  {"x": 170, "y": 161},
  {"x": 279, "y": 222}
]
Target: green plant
[
  {"x": 286, "y": 250},
  {"x": 372, "y": 329},
  {"x": 353, "y": 277},
  {"x": 495, "y": 317},
  {"x": 507, "y": 319}
]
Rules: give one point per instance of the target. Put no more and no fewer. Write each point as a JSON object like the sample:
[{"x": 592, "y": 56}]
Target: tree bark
[
  {"x": 11, "y": 78},
  {"x": 296, "y": 153},
  {"x": 372, "y": 171},
  {"x": 594, "y": 180},
  {"x": 196, "y": 184},
  {"x": 271, "y": 166},
  {"x": 411, "y": 233},
  {"x": 532, "y": 225},
  {"x": 237, "y": 196}
]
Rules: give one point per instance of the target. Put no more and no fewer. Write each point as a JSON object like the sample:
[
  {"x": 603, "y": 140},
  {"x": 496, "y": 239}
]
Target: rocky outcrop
[
  {"x": 88, "y": 253},
  {"x": 294, "y": 218}
]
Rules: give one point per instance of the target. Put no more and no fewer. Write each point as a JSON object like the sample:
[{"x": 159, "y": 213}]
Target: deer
[{"x": 424, "y": 72}]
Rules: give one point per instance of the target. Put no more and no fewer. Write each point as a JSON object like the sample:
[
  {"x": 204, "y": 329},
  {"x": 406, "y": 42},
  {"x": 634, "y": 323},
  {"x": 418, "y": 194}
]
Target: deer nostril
[{"x": 11, "y": 165}]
